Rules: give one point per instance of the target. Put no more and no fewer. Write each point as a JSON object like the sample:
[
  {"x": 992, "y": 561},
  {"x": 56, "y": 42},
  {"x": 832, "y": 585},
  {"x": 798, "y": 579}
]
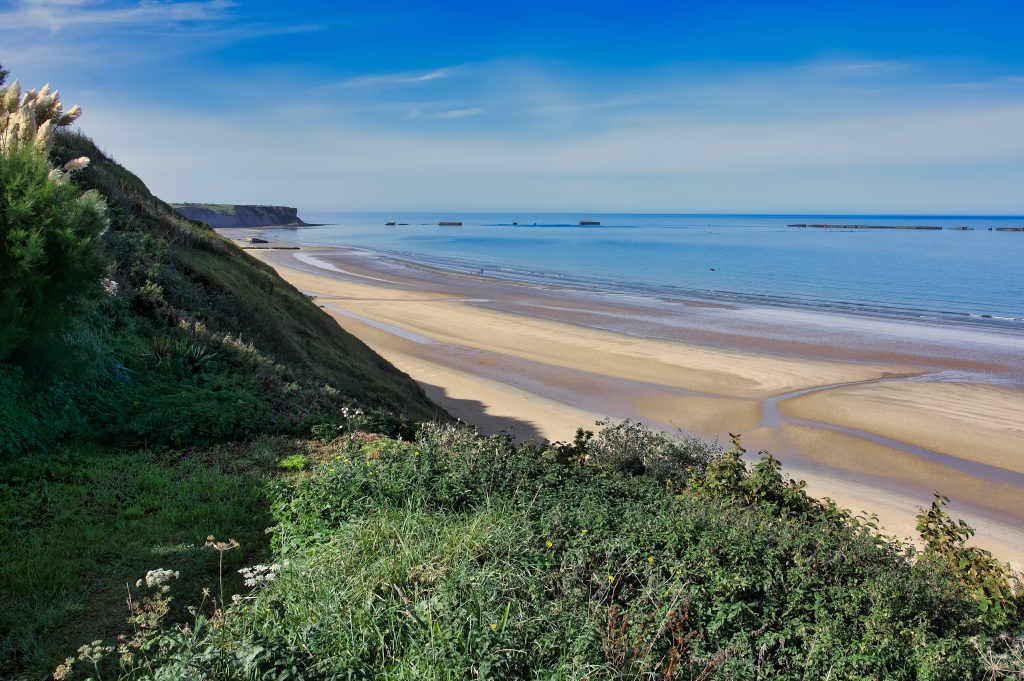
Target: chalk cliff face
[{"x": 226, "y": 215}]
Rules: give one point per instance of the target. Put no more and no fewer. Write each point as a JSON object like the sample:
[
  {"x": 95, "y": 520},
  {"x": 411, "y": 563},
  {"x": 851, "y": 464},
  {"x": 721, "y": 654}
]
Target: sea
[{"x": 971, "y": 276}]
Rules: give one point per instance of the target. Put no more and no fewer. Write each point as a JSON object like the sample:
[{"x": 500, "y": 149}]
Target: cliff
[{"x": 227, "y": 215}]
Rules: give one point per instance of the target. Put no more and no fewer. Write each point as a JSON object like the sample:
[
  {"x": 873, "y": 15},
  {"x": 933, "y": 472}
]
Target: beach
[{"x": 875, "y": 414}]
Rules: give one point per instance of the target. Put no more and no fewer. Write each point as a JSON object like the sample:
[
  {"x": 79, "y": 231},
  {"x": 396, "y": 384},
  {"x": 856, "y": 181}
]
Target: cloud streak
[
  {"x": 455, "y": 114},
  {"x": 58, "y": 15},
  {"x": 392, "y": 79}
]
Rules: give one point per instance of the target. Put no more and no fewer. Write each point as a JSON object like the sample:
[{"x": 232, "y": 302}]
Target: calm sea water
[{"x": 967, "y": 277}]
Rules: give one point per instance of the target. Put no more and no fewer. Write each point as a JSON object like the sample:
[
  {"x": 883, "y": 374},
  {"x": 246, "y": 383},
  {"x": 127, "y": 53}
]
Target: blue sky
[{"x": 724, "y": 106}]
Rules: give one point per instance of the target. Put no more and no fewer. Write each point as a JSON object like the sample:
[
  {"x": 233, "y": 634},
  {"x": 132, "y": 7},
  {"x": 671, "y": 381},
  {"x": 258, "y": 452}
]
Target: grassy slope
[
  {"x": 81, "y": 523},
  {"x": 207, "y": 278},
  {"x": 165, "y": 366}
]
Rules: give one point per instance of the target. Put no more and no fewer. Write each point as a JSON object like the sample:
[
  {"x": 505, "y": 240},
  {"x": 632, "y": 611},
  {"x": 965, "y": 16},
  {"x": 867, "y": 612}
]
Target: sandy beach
[{"x": 869, "y": 415}]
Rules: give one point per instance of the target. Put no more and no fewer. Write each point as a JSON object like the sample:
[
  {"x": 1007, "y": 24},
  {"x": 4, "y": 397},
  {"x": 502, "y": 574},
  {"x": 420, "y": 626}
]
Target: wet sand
[{"x": 873, "y": 414}]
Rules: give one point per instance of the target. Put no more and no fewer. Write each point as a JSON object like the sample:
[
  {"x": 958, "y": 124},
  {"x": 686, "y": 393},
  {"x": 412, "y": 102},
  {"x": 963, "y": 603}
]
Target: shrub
[
  {"x": 51, "y": 262},
  {"x": 464, "y": 556},
  {"x": 992, "y": 584}
]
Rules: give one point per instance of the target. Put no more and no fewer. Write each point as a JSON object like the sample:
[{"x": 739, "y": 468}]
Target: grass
[
  {"x": 627, "y": 556},
  {"x": 81, "y": 523},
  {"x": 219, "y": 208},
  {"x": 179, "y": 270}
]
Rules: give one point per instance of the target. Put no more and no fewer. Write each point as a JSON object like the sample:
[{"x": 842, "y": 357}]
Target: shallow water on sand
[{"x": 944, "y": 276}]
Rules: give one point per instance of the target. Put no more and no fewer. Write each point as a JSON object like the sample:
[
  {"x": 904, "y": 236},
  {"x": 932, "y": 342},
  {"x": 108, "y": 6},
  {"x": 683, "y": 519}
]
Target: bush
[
  {"x": 50, "y": 257},
  {"x": 459, "y": 556},
  {"x": 51, "y": 262}
]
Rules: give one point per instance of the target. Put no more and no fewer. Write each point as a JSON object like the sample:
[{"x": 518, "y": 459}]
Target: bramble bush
[{"x": 460, "y": 556}]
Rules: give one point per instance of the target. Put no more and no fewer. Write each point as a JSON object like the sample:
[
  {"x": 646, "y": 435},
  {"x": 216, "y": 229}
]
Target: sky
[{"x": 687, "y": 107}]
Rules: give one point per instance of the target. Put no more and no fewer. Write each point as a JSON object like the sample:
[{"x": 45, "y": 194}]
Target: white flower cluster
[
  {"x": 158, "y": 577},
  {"x": 261, "y": 574},
  {"x": 351, "y": 413}
]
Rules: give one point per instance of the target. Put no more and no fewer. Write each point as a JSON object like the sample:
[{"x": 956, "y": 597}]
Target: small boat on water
[
  {"x": 450, "y": 223},
  {"x": 590, "y": 222},
  {"x": 389, "y": 224}
]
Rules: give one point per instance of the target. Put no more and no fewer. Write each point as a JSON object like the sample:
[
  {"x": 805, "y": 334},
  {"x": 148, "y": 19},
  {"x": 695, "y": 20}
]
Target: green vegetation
[
  {"x": 51, "y": 266},
  {"x": 219, "y": 208},
  {"x": 197, "y": 343},
  {"x": 80, "y": 522},
  {"x": 627, "y": 555},
  {"x": 146, "y": 443},
  {"x": 188, "y": 342}
]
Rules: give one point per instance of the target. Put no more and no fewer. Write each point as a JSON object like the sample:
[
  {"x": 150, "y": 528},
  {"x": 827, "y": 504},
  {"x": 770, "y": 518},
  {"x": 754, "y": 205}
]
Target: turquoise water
[{"x": 965, "y": 277}]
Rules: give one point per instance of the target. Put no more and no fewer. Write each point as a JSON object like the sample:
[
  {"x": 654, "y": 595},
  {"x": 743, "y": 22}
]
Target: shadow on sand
[{"x": 475, "y": 413}]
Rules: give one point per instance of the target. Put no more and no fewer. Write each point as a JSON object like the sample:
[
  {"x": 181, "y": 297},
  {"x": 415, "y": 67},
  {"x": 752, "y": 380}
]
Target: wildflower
[
  {"x": 611, "y": 578},
  {"x": 650, "y": 559},
  {"x": 157, "y": 578},
  {"x": 584, "y": 531},
  {"x": 64, "y": 671},
  {"x": 221, "y": 546},
  {"x": 494, "y": 626},
  {"x": 260, "y": 574},
  {"x": 549, "y": 543}
]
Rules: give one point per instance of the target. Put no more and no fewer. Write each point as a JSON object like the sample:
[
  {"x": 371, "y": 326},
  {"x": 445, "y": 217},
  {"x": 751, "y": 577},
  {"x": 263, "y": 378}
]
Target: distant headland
[{"x": 228, "y": 215}]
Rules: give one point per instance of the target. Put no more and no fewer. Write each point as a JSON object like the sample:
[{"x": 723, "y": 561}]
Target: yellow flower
[
  {"x": 494, "y": 626},
  {"x": 650, "y": 559},
  {"x": 611, "y": 578},
  {"x": 549, "y": 544},
  {"x": 584, "y": 531}
]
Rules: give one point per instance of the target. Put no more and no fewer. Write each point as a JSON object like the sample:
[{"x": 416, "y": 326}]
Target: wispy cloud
[
  {"x": 57, "y": 15},
  {"x": 386, "y": 79},
  {"x": 105, "y": 36},
  {"x": 455, "y": 114},
  {"x": 864, "y": 67},
  {"x": 797, "y": 137}
]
